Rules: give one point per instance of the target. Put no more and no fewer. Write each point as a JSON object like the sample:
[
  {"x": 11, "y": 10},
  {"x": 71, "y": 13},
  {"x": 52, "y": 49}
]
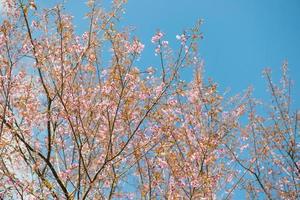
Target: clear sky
[{"x": 241, "y": 37}]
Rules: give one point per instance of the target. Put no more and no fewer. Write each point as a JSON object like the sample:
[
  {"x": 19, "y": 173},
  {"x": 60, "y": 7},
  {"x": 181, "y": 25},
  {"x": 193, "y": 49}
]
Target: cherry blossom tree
[
  {"x": 271, "y": 137},
  {"x": 80, "y": 120}
]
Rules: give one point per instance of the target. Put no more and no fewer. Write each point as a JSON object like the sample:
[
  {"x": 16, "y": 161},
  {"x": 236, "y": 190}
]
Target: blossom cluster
[{"x": 136, "y": 47}]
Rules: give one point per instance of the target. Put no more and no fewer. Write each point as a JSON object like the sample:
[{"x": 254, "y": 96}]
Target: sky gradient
[{"x": 241, "y": 38}]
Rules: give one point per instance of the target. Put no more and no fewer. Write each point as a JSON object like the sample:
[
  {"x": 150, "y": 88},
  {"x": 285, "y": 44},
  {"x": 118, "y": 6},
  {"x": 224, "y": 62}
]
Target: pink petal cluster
[
  {"x": 165, "y": 43},
  {"x": 157, "y": 37},
  {"x": 136, "y": 47},
  {"x": 182, "y": 38}
]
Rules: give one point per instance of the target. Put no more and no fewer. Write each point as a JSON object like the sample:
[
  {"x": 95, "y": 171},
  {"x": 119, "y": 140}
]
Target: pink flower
[
  {"x": 161, "y": 163},
  {"x": 2, "y": 39},
  {"x": 165, "y": 43},
  {"x": 182, "y": 38},
  {"x": 157, "y": 37},
  {"x": 244, "y": 147},
  {"x": 229, "y": 178},
  {"x": 172, "y": 102},
  {"x": 26, "y": 48},
  {"x": 85, "y": 35},
  {"x": 150, "y": 70},
  {"x": 136, "y": 47},
  {"x": 186, "y": 49},
  {"x": 195, "y": 183},
  {"x": 181, "y": 183},
  {"x": 239, "y": 111},
  {"x": 157, "y": 50},
  {"x": 104, "y": 72},
  {"x": 143, "y": 96},
  {"x": 106, "y": 184},
  {"x": 159, "y": 89},
  {"x": 68, "y": 171},
  {"x": 34, "y": 24}
]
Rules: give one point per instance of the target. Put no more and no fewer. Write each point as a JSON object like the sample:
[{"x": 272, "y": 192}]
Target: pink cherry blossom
[{"x": 157, "y": 37}]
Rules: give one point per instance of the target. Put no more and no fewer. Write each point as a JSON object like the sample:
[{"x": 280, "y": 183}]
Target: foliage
[{"x": 73, "y": 128}]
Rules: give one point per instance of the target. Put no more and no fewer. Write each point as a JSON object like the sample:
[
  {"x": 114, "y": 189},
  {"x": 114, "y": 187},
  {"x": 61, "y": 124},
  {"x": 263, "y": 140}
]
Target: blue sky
[{"x": 241, "y": 37}]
